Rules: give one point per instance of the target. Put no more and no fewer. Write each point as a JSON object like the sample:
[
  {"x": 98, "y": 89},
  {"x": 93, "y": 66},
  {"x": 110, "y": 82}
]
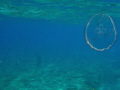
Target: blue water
[{"x": 52, "y": 54}]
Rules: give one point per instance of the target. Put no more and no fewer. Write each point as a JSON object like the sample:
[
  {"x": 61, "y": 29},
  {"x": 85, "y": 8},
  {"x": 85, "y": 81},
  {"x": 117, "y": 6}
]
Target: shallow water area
[{"x": 43, "y": 46}]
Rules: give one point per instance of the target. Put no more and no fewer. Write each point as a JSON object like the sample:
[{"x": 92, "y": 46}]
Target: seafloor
[{"x": 30, "y": 71}]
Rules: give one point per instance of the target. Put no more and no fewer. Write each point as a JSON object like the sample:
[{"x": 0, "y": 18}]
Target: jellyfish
[{"x": 100, "y": 32}]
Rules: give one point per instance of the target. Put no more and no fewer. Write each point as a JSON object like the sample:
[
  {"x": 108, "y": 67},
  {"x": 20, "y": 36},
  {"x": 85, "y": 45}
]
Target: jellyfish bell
[{"x": 100, "y": 32}]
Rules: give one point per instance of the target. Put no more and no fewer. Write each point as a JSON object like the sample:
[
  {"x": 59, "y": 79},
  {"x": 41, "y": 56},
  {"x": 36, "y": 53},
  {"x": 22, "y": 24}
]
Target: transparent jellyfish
[{"x": 100, "y": 32}]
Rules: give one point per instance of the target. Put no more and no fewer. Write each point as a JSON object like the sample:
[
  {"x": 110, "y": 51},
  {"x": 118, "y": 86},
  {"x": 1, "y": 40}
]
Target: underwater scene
[{"x": 59, "y": 45}]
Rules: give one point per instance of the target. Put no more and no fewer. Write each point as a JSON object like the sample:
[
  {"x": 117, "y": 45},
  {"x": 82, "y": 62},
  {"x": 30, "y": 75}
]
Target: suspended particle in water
[{"x": 100, "y": 32}]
